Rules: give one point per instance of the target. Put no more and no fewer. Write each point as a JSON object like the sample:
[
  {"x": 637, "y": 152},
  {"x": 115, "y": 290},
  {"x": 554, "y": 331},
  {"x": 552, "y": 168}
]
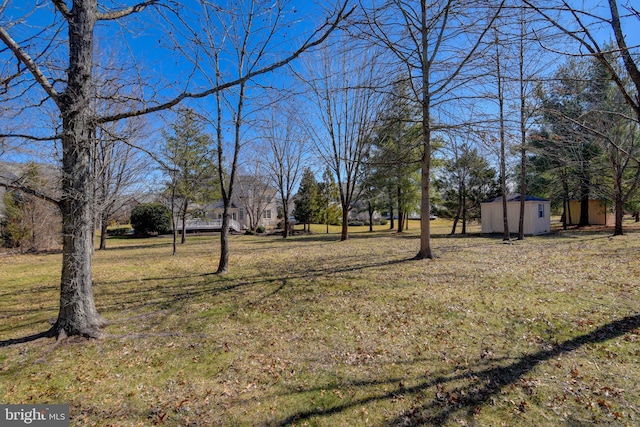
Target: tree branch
[
  {"x": 311, "y": 42},
  {"x": 62, "y": 8},
  {"x": 31, "y": 192},
  {"x": 30, "y": 137},
  {"x": 599, "y": 55},
  {"x": 117, "y": 14},
  {"x": 629, "y": 63},
  {"x": 26, "y": 59}
]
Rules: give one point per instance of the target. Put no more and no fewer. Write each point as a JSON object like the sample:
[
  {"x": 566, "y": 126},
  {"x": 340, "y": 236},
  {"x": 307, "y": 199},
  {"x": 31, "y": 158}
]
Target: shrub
[
  {"x": 119, "y": 231},
  {"x": 260, "y": 229},
  {"x": 149, "y": 219}
]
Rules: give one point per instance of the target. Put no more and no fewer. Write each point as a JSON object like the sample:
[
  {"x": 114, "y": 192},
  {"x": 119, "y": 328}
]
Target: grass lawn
[{"x": 313, "y": 331}]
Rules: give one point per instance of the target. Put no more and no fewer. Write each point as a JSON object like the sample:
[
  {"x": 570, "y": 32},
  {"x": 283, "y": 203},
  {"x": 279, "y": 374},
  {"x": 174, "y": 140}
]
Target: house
[
  {"x": 537, "y": 215},
  {"x": 253, "y": 204},
  {"x": 599, "y": 213}
]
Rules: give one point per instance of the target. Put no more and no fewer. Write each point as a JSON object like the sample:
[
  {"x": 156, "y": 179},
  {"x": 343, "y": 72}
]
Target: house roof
[
  {"x": 219, "y": 204},
  {"x": 516, "y": 198}
]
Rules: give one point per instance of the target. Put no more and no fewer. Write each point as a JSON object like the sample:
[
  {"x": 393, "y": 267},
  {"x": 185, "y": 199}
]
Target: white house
[
  {"x": 537, "y": 215},
  {"x": 254, "y": 204}
]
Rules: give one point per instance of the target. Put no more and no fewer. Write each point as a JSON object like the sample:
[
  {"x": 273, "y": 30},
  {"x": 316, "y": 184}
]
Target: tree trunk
[
  {"x": 523, "y": 129},
  {"x": 619, "y": 215},
  {"x": 584, "y": 200},
  {"x": 370, "y": 211},
  {"x": 464, "y": 210},
  {"x": 506, "y": 235},
  {"x": 567, "y": 206},
  {"x": 223, "y": 265},
  {"x": 456, "y": 218},
  {"x": 104, "y": 223},
  {"x": 285, "y": 232},
  {"x": 425, "y": 163},
  {"x": 183, "y": 237},
  {"x": 78, "y": 314},
  {"x": 344, "y": 235},
  {"x": 400, "y": 210}
]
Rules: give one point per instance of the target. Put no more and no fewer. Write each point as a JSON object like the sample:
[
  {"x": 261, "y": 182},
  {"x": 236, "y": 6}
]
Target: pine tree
[{"x": 306, "y": 203}]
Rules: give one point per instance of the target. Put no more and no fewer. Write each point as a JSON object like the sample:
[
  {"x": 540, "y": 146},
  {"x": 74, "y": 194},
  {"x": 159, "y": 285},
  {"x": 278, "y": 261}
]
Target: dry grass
[{"x": 311, "y": 331}]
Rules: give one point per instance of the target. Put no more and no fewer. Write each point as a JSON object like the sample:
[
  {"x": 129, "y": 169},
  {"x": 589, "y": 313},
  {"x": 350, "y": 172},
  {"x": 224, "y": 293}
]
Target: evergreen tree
[
  {"x": 328, "y": 201},
  {"x": 395, "y": 160},
  {"x": 189, "y": 167},
  {"x": 466, "y": 180},
  {"x": 306, "y": 202},
  {"x": 562, "y": 141}
]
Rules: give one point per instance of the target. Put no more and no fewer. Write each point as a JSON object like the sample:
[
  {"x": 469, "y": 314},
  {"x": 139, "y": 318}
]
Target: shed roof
[{"x": 516, "y": 198}]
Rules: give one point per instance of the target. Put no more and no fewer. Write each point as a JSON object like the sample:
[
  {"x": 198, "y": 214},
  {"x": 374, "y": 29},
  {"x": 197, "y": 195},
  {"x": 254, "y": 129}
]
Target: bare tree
[
  {"x": 342, "y": 115},
  {"x": 255, "y": 194},
  {"x": 434, "y": 41},
  {"x": 117, "y": 169},
  {"x": 506, "y": 235},
  {"x": 67, "y": 88},
  {"x": 286, "y": 148}
]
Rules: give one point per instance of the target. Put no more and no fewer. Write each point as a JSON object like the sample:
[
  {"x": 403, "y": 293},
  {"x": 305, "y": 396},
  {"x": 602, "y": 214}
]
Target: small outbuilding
[
  {"x": 599, "y": 213},
  {"x": 537, "y": 215}
]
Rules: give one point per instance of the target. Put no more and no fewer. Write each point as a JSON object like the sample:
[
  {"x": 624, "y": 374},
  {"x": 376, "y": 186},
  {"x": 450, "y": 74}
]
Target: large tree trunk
[
  {"x": 619, "y": 205},
  {"x": 617, "y": 231},
  {"x": 78, "y": 314},
  {"x": 425, "y": 178}
]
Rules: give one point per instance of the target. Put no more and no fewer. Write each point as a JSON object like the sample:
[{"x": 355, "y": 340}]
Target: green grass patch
[{"x": 313, "y": 331}]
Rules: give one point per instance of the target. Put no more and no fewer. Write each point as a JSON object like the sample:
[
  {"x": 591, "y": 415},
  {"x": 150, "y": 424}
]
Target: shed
[
  {"x": 599, "y": 214},
  {"x": 537, "y": 215}
]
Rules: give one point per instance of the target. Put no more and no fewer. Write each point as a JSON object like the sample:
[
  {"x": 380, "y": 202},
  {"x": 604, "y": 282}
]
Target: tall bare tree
[
  {"x": 286, "y": 148},
  {"x": 434, "y": 41},
  {"x": 67, "y": 88},
  {"x": 342, "y": 115}
]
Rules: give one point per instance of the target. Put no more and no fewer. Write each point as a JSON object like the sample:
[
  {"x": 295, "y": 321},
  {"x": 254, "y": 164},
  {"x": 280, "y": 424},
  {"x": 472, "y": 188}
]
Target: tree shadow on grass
[
  {"x": 28, "y": 338},
  {"x": 481, "y": 385},
  {"x": 175, "y": 290}
]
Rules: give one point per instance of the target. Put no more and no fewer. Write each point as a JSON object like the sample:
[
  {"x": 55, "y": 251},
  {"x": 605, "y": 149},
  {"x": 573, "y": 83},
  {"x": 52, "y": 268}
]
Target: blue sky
[{"x": 145, "y": 46}]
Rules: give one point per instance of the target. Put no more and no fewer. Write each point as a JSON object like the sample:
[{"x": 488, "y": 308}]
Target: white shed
[{"x": 537, "y": 215}]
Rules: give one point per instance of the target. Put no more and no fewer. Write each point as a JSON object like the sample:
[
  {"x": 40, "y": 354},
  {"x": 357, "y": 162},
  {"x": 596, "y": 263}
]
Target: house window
[
  {"x": 266, "y": 214},
  {"x": 241, "y": 214},
  {"x": 233, "y": 216},
  {"x": 540, "y": 210}
]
